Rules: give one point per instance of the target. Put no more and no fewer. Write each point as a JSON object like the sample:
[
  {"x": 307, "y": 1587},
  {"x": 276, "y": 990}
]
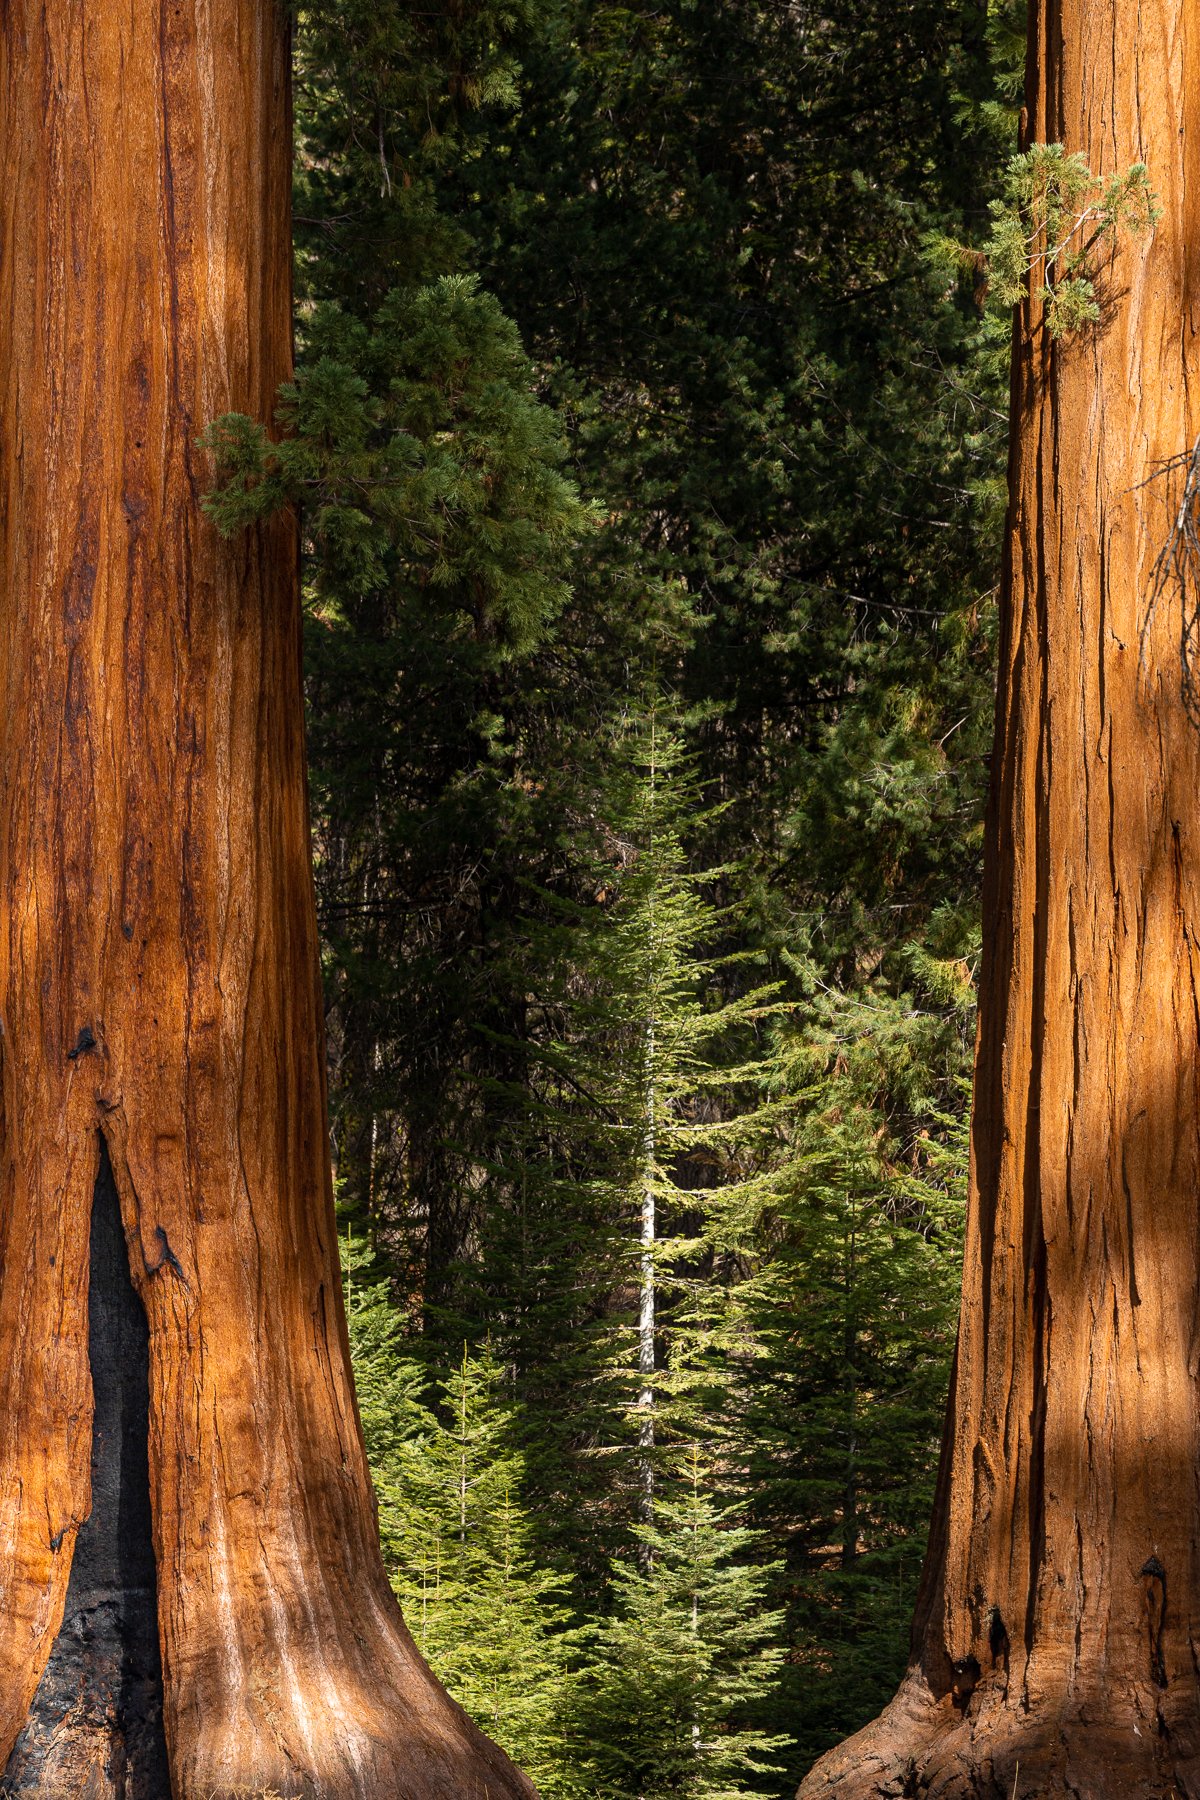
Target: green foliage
[
  {"x": 856, "y": 1317},
  {"x": 1053, "y": 217},
  {"x": 491, "y": 1624},
  {"x": 639, "y": 1108},
  {"x": 418, "y": 458},
  {"x": 687, "y": 1651}
]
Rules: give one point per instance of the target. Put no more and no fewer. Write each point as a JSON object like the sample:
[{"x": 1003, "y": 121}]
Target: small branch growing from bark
[
  {"x": 1052, "y": 219},
  {"x": 1177, "y": 573}
]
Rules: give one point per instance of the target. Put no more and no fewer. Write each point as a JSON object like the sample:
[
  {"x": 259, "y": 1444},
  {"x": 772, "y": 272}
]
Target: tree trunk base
[
  {"x": 1134, "y": 1742},
  {"x": 95, "y": 1729}
]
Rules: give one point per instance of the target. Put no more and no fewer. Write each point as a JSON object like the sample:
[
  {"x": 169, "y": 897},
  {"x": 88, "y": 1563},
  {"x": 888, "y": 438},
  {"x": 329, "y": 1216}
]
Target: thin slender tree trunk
[
  {"x": 850, "y": 1520},
  {"x": 647, "y": 1298},
  {"x": 1057, "y": 1639},
  {"x": 159, "y": 1000}
]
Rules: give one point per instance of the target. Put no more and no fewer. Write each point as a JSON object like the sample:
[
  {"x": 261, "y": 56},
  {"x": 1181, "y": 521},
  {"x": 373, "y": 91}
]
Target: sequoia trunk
[
  {"x": 160, "y": 1010},
  {"x": 1057, "y": 1638}
]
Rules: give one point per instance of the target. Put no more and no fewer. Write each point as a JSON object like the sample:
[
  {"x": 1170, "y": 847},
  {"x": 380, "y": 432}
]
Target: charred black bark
[{"x": 95, "y": 1730}]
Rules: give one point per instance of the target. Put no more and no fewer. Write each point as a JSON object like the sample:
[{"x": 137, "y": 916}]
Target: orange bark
[
  {"x": 1065, "y": 1556},
  {"x": 158, "y": 967}
]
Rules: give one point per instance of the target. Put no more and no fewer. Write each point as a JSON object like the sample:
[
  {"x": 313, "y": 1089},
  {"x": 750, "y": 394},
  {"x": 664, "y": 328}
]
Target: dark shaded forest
[{"x": 648, "y": 437}]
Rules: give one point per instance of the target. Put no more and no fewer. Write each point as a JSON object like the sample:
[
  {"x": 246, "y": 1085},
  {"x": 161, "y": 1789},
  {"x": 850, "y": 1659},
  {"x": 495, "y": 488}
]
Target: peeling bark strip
[
  {"x": 96, "y": 1726},
  {"x": 1069, "y": 1499},
  {"x": 158, "y": 968}
]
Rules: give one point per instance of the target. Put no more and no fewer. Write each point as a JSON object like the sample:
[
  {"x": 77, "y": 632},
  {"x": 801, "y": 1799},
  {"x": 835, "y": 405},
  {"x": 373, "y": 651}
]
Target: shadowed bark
[
  {"x": 1057, "y": 1637},
  {"x": 96, "y": 1720},
  {"x": 159, "y": 983}
]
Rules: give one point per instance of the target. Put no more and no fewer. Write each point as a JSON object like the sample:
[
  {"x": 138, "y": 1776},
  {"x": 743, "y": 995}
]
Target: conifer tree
[
  {"x": 690, "y": 1644},
  {"x": 457, "y": 1539},
  {"x": 623, "y": 1167},
  {"x": 437, "y": 521},
  {"x": 854, "y": 1314}
]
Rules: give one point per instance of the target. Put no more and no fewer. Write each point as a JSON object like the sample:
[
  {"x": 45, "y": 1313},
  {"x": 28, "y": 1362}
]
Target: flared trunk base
[{"x": 1133, "y": 1743}]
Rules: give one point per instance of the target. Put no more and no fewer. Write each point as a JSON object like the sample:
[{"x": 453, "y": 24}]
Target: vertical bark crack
[{"x": 96, "y": 1723}]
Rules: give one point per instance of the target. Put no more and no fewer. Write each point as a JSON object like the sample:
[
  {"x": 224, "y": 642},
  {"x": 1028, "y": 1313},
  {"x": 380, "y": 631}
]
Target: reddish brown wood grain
[
  {"x": 1065, "y": 1556},
  {"x": 155, "y": 893}
]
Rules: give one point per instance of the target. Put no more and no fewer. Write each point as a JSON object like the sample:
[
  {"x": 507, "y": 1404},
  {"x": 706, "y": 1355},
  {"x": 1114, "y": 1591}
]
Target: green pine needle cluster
[
  {"x": 416, "y": 454},
  {"x": 1049, "y": 227}
]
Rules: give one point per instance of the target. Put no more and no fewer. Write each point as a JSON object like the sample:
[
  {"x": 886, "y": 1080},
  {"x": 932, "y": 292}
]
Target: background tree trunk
[
  {"x": 159, "y": 986},
  {"x": 1068, "y": 1514}
]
